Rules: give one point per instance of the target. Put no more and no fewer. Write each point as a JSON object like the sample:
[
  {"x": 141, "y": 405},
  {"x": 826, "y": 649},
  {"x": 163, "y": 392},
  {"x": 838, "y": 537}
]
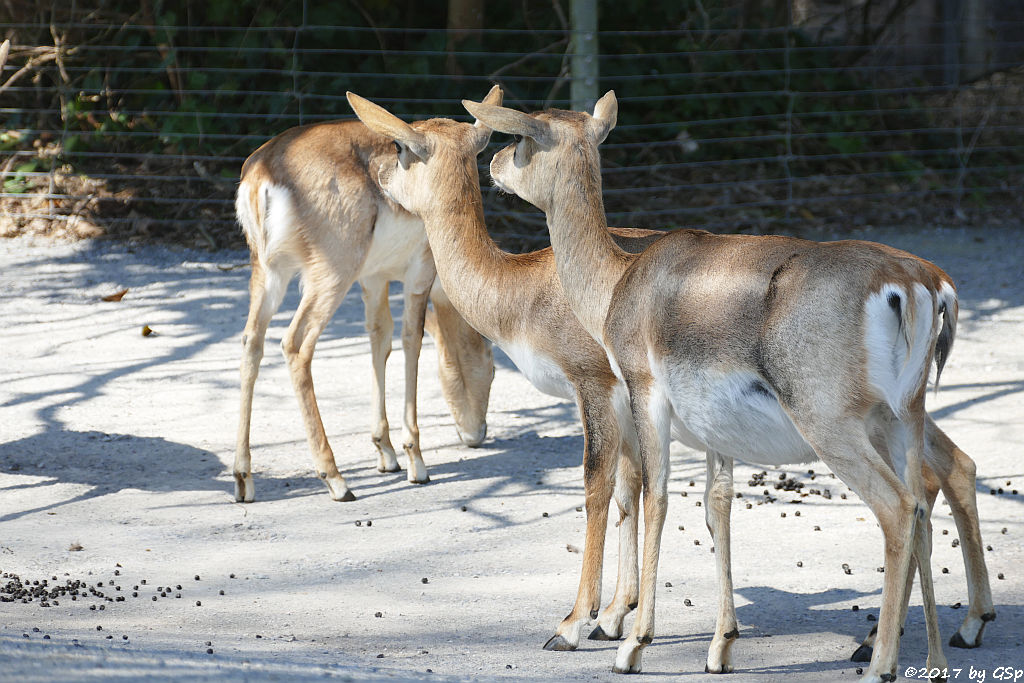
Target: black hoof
[
  {"x": 348, "y": 497},
  {"x": 599, "y": 634},
  {"x": 559, "y": 644},
  {"x": 425, "y": 481},
  {"x": 384, "y": 470},
  {"x": 958, "y": 641},
  {"x": 863, "y": 654}
]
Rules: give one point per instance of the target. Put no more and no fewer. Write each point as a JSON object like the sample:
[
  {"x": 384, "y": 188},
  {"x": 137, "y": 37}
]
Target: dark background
[{"x": 132, "y": 119}]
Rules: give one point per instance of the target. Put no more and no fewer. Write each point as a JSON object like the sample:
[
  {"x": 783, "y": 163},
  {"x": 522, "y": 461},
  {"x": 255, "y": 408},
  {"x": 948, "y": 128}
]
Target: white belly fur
[
  {"x": 719, "y": 412},
  {"x": 542, "y": 371}
]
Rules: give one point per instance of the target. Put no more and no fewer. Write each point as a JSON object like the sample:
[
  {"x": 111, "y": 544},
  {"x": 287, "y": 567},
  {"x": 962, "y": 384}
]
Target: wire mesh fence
[{"x": 140, "y": 127}]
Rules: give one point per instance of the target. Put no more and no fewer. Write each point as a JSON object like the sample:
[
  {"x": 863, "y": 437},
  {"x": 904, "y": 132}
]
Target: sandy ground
[{"x": 122, "y": 444}]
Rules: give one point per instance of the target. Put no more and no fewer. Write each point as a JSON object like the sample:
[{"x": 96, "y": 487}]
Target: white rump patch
[
  {"x": 898, "y": 342},
  {"x": 279, "y": 222}
]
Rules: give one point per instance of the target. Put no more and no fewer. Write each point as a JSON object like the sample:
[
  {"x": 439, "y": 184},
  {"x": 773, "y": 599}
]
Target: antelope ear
[
  {"x": 510, "y": 121},
  {"x": 380, "y": 120},
  {"x": 484, "y": 131},
  {"x": 494, "y": 96},
  {"x": 606, "y": 111}
]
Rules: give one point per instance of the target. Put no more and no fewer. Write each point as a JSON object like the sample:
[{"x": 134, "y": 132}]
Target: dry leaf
[
  {"x": 75, "y": 547},
  {"x": 571, "y": 548},
  {"x": 146, "y": 330},
  {"x": 116, "y": 296}
]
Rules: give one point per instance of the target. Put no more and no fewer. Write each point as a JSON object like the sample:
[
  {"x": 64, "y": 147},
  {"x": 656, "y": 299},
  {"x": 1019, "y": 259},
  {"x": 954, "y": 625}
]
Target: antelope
[
  {"x": 309, "y": 203},
  {"x": 515, "y": 300},
  {"x": 770, "y": 349}
]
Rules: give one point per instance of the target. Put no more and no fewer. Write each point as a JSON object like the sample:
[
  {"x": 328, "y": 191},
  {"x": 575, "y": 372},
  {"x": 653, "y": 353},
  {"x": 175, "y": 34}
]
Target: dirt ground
[{"x": 122, "y": 444}]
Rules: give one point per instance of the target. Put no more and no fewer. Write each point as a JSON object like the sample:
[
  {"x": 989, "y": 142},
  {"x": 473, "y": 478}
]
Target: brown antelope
[
  {"x": 515, "y": 301},
  {"x": 769, "y": 349},
  {"x": 309, "y": 203}
]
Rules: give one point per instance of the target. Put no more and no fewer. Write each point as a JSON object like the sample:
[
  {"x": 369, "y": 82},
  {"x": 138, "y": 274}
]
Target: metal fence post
[{"x": 584, "y": 54}]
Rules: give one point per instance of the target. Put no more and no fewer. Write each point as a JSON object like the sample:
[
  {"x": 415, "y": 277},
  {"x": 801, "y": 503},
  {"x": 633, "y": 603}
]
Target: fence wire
[{"x": 141, "y": 129}]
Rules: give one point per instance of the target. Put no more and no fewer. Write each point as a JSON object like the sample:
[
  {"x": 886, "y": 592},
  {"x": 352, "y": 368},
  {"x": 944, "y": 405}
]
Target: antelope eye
[
  {"x": 398, "y": 146},
  {"x": 517, "y": 138}
]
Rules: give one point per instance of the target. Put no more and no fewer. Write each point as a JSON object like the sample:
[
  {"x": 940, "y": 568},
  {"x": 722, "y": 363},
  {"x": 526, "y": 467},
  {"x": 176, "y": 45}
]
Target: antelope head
[
  {"x": 548, "y": 145},
  {"x": 420, "y": 179}
]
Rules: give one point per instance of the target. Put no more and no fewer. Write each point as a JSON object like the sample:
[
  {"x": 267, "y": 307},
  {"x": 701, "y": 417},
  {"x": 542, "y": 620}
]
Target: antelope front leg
[
  {"x": 718, "y": 508},
  {"x": 627, "y": 585},
  {"x": 651, "y": 415},
  {"x": 414, "y": 310},
  {"x": 600, "y": 450},
  {"x": 379, "y": 327}
]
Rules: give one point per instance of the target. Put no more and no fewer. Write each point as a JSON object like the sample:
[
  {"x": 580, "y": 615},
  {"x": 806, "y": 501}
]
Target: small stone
[
  {"x": 988, "y": 548},
  {"x": 1000, "y": 576},
  {"x": 380, "y": 656},
  {"x": 369, "y": 522},
  {"x": 799, "y": 563},
  {"x": 945, "y": 570},
  {"x": 199, "y": 603},
  {"x": 209, "y": 643},
  {"x": 749, "y": 506},
  {"x": 464, "y": 508},
  {"x": 956, "y": 605},
  {"x": 543, "y": 514},
  {"x": 698, "y": 503},
  {"x": 197, "y": 577},
  {"x": 687, "y": 602},
  {"x": 681, "y": 528},
  {"x": 231, "y": 576},
  {"x": 424, "y": 580},
  {"x": 782, "y": 514},
  {"x": 817, "y": 528},
  {"x": 209, "y": 650},
  {"x": 945, "y": 532},
  {"x": 668, "y": 584},
  {"x": 696, "y": 541},
  {"x": 872, "y": 617},
  {"x": 578, "y": 509},
  {"x": 359, "y": 522},
  {"x": 1003, "y": 531},
  {"x": 796, "y": 514},
  {"x": 378, "y": 614},
  {"x": 221, "y": 592},
  {"x": 99, "y": 628},
  {"x": 856, "y": 608},
  {"x": 46, "y": 637},
  {"x": 154, "y": 598}
]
